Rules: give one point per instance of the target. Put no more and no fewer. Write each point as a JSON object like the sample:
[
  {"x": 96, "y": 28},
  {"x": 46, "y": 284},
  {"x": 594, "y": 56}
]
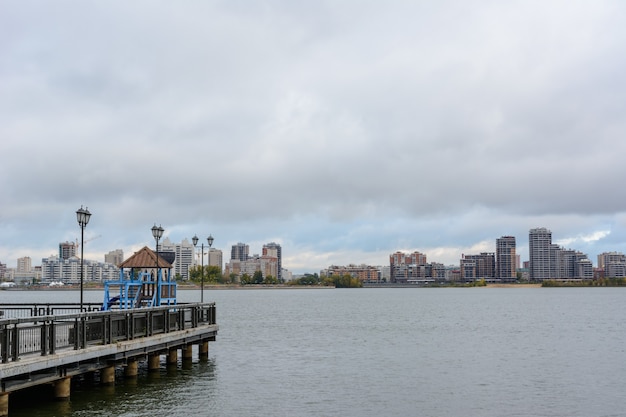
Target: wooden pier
[{"x": 43, "y": 344}]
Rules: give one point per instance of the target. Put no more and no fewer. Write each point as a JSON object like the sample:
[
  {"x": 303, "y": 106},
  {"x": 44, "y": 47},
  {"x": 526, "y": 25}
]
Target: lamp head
[
  {"x": 157, "y": 232},
  {"x": 83, "y": 215}
]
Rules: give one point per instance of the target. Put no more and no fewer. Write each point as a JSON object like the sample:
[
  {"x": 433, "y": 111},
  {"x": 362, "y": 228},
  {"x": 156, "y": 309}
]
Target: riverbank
[{"x": 534, "y": 285}]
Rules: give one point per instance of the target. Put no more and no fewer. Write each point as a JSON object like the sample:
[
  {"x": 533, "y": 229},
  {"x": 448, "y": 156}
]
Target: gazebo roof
[{"x": 145, "y": 258}]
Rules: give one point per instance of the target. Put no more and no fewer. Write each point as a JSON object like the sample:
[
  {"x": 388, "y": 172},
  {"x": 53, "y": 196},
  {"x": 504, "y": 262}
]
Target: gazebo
[{"x": 147, "y": 284}]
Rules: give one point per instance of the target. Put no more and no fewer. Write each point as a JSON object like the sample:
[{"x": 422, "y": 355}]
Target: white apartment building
[
  {"x": 55, "y": 269},
  {"x": 24, "y": 264},
  {"x": 550, "y": 261},
  {"x": 184, "y": 256}
]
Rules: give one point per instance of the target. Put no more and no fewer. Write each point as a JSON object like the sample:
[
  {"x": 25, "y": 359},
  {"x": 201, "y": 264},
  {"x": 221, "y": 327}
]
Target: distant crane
[{"x": 77, "y": 244}]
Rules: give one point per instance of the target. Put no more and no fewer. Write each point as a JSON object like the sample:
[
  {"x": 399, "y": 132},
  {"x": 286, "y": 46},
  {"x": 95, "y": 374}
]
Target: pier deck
[{"x": 54, "y": 348}]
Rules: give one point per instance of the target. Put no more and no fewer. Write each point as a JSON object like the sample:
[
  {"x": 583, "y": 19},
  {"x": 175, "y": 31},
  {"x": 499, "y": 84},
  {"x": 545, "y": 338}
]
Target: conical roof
[{"x": 144, "y": 258}]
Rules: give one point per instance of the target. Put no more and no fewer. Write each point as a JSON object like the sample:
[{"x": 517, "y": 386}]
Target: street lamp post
[
  {"x": 82, "y": 215},
  {"x": 157, "y": 232},
  {"x": 195, "y": 242}
]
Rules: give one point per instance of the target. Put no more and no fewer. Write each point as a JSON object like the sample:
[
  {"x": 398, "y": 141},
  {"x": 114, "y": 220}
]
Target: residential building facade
[
  {"x": 184, "y": 256},
  {"x": 539, "y": 250},
  {"x": 365, "y": 273},
  {"x": 67, "y": 250},
  {"x": 550, "y": 261},
  {"x": 506, "y": 259},
  {"x": 114, "y": 257}
]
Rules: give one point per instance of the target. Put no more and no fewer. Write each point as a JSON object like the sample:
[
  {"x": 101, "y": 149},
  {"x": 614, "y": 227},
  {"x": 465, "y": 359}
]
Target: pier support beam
[
  {"x": 172, "y": 357},
  {"x": 154, "y": 362},
  {"x": 132, "y": 369},
  {"x": 4, "y": 404},
  {"x": 203, "y": 351},
  {"x": 62, "y": 388},
  {"x": 107, "y": 375},
  {"x": 188, "y": 353}
]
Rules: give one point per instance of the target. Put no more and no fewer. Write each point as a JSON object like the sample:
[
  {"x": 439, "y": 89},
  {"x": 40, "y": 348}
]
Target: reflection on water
[{"x": 150, "y": 392}]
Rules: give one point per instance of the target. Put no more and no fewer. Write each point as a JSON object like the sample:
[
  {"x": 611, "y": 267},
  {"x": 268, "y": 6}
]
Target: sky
[{"x": 343, "y": 130}]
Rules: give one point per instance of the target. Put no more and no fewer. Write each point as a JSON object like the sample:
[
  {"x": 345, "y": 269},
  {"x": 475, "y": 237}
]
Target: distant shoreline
[
  {"x": 533, "y": 285},
  {"x": 186, "y": 287}
]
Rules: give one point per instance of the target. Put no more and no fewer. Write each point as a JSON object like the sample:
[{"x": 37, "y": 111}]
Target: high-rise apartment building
[
  {"x": 240, "y": 251},
  {"x": 550, "y": 261},
  {"x": 539, "y": 251},
  {"x": 613, "y": 264},
  {"x": 67, "y": 250},
  {"x": 478, "y": 266},
  {"x": 215, "y": 258},
  {"x": 274, "y": 250},
  {"x": 114, "y": 257},
  {"x": 506, "y": 259},
  {"x": 269, "y": 263},
  {"x": 184, "y": 256},
  {"x": 24, "y": 264}
]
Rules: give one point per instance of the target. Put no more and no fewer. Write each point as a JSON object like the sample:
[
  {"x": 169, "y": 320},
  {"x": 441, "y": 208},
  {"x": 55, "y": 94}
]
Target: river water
[{"x": 380, "y": 352}]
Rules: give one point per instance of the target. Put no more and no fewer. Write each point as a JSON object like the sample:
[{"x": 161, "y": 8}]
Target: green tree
[
  {"x": 195, "y": 273},
  {"x": 257, "y": 277},
  {"x": 246, "y": 279},
  {"x": 343, "y": 281},
  {"x": 212, "y": 273},
  {"x": 270, "y": 280}
]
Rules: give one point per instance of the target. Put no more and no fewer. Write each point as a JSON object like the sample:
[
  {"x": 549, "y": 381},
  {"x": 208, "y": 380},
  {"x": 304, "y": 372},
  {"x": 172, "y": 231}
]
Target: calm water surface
[{"x": 382, "y": 352}]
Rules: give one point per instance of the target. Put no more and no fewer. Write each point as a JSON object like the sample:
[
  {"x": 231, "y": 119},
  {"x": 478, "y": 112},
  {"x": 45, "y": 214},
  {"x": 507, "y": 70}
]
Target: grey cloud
[{"x": 334, "y": 125}]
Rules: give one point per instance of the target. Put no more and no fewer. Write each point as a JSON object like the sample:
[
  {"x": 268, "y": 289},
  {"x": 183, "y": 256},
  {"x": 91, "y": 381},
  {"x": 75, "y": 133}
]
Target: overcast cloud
[{"x": 343, "y": 130}]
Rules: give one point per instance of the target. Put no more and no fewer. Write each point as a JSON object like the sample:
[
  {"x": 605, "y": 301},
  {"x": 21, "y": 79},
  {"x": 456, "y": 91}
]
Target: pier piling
[
  {"x": 132, "y": 369},
  {"x": 107, "y": 375},
  {"x": 172, "y": 356},
  {"x": 4, "y": 404},
  {"x": 154, "y": 362},
  {"x": 203, "y": 351},
  {"x": 62, "y": 388},
  {"x": 188, "y": 353}
]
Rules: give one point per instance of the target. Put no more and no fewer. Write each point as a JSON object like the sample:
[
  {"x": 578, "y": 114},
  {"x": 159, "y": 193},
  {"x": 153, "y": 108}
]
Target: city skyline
[
  {"x": 505, "y": 251},
  {"x": 343, "y": 131}
]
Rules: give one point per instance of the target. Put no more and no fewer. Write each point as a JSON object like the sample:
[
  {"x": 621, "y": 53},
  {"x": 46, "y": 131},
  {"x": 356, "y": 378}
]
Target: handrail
[
  {"x": 46, "y": 334},
  {"x": 10, "y": 310}
]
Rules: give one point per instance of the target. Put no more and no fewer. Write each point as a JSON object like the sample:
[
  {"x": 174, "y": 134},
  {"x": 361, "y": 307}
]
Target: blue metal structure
[{"x": 144, "y": 285}]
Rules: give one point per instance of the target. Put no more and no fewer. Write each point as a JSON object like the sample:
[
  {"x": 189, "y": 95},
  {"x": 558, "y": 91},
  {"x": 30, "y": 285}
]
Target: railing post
[
  {"x": 5, "y": 344},
  {"x": 44, "y": 338},
  {"x": 83, "y": 332},
  {"x": 15, "y": 343},
  {"x": 53, "y": 337},
  {"x": 130, "y": 326},
  {"x": 181, "y": 319},
  {"x": 76, "y": 334},
  {"x": 106, "y": 329}
]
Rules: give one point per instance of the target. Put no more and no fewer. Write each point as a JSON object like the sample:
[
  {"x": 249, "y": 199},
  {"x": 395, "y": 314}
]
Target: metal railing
[
  {"x": 47, "y": 334},
  {"x": 17, "y": 310}
]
